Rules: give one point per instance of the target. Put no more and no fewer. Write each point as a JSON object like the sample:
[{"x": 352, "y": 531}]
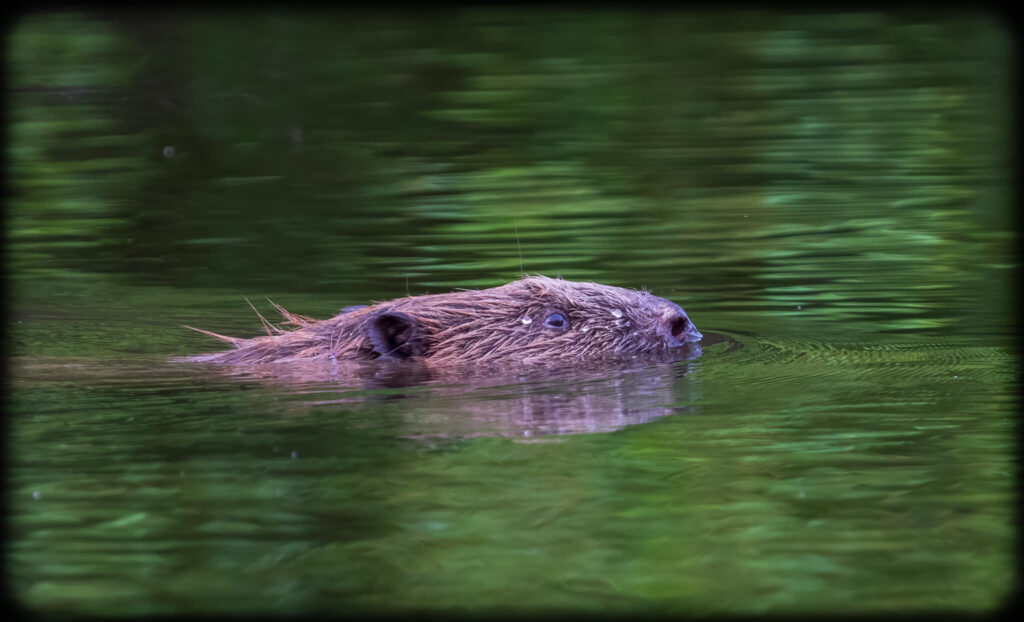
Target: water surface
[{"x": 827, "y": 195}]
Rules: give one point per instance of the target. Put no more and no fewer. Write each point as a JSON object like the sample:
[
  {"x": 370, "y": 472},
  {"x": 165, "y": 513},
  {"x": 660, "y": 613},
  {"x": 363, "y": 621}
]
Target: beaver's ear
[{"x": 397, "y": 336}]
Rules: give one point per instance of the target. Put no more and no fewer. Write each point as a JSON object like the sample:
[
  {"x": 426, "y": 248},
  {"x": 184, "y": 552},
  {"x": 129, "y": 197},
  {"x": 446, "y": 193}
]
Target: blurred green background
[
  {"x": 830, "y": 190},
  {"x": 857, "y": 162}
]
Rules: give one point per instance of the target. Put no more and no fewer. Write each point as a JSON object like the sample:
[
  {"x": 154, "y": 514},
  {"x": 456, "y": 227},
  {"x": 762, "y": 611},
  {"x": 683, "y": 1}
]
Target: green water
[{"x": 827, "y": 195}]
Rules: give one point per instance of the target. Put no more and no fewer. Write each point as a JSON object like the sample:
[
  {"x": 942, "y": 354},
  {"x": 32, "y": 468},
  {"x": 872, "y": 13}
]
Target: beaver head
[{"x": 534, "y": 319}]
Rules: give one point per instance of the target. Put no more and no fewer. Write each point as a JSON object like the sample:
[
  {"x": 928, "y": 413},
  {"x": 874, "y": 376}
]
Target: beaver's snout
[{"x": 676, "y": 327}]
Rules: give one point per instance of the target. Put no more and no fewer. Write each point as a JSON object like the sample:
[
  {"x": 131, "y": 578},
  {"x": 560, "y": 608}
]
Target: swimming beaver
[{"x": 534, "y": 319}]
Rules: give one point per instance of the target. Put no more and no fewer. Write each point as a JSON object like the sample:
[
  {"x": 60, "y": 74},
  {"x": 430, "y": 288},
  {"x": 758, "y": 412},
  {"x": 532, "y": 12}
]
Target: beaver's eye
[{"x": 556, "y": 320}]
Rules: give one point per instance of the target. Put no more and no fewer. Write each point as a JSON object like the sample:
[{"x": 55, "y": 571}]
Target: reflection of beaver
[
  {"x": 418, "y": 400},
  {"x": 534, "y": 319}
]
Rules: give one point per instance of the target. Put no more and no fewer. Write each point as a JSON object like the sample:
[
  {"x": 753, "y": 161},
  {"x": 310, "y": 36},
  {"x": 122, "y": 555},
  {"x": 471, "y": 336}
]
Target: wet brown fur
[{"x": 472, "y": 325}]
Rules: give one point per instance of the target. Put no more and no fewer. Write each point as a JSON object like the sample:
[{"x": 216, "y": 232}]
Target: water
[{"x": 827, "y": 195}]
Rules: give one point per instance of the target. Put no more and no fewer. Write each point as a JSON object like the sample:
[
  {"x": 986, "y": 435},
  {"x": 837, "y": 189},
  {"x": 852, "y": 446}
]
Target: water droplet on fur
[
  {"x": 584, "y": 329},
  {"x": 527, "y": 321},
  {"x": 616, "y": 312}
]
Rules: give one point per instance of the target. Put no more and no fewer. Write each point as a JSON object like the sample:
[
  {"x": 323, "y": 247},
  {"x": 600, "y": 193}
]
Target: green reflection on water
[{"x": 829, "y": 190}]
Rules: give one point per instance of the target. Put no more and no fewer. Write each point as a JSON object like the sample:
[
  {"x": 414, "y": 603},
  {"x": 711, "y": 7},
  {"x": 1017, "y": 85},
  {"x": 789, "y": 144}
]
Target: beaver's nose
[{"x": 676, "y": 327}]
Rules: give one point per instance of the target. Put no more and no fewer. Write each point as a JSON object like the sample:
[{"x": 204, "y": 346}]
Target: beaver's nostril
[{"x": 678, "y": 326}]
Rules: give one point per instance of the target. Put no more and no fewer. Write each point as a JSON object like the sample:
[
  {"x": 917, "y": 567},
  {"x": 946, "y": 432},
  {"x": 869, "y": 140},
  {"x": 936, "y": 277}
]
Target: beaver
[{"x": 534, "y": 319}]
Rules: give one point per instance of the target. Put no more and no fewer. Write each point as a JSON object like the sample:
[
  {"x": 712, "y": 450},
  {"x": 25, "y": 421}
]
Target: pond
[{"x": 828, "y": 195}]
